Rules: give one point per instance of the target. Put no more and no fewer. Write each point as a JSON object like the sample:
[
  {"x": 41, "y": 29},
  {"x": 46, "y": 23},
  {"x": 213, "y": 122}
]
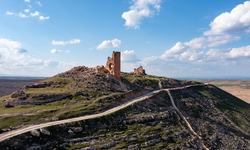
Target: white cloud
[
  {"x": 189, "y": 50},
  {"x": 68, "y": 51},
  {"x": 11, "y": 50},
  {"x": 51, "y": 63},
  {"x": 39, "y": 3},
  {"x": 9, "y": 13},
  {"x": 129, "y": 56},
  {"x": 58, "y": 42},
  {"x": 55, "y": 51},
  {"x": 27, "y": 1},
  {"x": 140, "y": 10},
  {"x": 236, "y": 20},
  {"x": 240, "y": 52},
  {"x": 229, "y": 54},
  {"x": 12, "y": 45},
  {"x": 36, "y": 13},
  {"x": 27, "y": 10},
  {"x": 110, "y": 44},
  {"x": 43, "y": 18},
  {"x": 74, "y": 41},
  {"x": 35, "y": 62},
  {"x": 22, "y": 15},
  {"x": 15, "y": 61}
]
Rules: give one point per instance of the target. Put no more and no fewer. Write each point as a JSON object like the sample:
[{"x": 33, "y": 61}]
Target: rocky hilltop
[{"x": 220, "y": 119}]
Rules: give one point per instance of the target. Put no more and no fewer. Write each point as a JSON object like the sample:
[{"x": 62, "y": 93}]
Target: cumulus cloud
[
  {"x": 189, "y": 50},
  {"x": 14, "y": 60},
  {"x": 140, "y": 10},
  {"x": 12, "y": 45},
  {"x": 55, "y": 51},
  {"x": 115, "y": 43},
  {"x": 27, "y": 10},
  {"x": 36, "y": 13},
  {"x": 39, "y": 3},
  {"x": 9, "y": 13},
  {"x": 68, "y": 51},
  {"x": 58, "y": 42},
  {"x": 21, "y": 15},
  {"x": 51, "y": 63},
  {"x": 11, "y": 50},
  {"x": 229, "y": 54},
  {"x": 28, "y": 14},
  {"x": 236, "y": 20},
  {"x": 35, "y": 62},
  {"x": 129, "y": 56},
  {"x": 74, "y": 41},
  {"x": 43, "y": 18},
  {"x": 27, "y": 1}
]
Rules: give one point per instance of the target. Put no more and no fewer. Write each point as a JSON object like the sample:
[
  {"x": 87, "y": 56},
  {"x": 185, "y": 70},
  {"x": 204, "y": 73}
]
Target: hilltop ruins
[
  {"x": 139, "y": 71},
  {"x": 113, "y": 66}
]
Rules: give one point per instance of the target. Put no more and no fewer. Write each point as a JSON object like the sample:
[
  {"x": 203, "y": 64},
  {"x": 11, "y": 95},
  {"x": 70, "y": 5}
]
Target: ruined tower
[{"x": 114, "y": 65}]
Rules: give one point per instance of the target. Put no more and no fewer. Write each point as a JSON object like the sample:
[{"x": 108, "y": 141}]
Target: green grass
[
  {"x": 61, "y": 109},
  {"x": 48, "y": 90}
]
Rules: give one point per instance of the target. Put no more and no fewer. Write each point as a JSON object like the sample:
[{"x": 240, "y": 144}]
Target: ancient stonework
[
  {"x": 113, "y": 66},
  {"x": 139, "y": 71}
]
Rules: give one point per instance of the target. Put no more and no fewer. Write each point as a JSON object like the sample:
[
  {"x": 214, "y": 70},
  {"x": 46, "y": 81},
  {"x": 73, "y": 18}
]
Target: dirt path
[
  {"x": 13, "y": 133},
  {"x": 186, "y": 122}
]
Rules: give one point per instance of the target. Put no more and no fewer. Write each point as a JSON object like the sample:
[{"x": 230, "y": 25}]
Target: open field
[
  {"x": 7, "y": 86},
  {"x": 240, "y": 89}
]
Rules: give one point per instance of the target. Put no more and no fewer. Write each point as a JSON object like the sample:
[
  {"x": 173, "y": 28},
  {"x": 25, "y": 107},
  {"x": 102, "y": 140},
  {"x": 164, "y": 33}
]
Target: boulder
[
  {"x": 44, "y": 131},
  {"x": 8, "y": 105},
  {"x": 77, "y": 129},
  {"x": 71, "y": 132},
  {"x": 17, "y": 94},
  {"x": 35, "y": 133}
]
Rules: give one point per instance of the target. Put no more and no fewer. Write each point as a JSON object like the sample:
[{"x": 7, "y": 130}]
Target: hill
[
  {"x": 220, "y": 119},
  {"x": 77, "y": 92}
]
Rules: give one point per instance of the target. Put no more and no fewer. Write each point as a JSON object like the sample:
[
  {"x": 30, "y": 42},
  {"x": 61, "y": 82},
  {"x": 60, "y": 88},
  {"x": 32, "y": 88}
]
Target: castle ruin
[
  {"x": 139, "y": 71},
  {"x": 113, "y": 66}
]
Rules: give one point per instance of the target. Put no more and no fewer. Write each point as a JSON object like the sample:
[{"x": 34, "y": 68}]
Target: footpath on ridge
[{"x": 10, "y": 134}]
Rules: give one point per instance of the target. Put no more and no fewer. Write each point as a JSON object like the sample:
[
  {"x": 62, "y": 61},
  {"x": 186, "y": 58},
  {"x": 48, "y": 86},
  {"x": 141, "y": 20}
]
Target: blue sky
[{"x": 173, "y": 38}]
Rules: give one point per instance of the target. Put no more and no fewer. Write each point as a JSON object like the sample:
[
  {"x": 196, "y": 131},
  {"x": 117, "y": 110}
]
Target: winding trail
[
  {"x": 186, "y": 122},
  {"x": 13, "y": 133}
]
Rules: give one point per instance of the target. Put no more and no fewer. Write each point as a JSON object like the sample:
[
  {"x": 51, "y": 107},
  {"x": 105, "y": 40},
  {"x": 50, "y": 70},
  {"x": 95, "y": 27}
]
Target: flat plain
[
  {"x": 9, "y": 85},
  {"x": 240, "y": 89}
]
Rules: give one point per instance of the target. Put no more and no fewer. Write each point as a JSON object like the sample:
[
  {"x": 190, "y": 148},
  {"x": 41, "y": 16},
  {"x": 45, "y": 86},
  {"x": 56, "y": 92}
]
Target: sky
[{"x": 172, "y": 38}]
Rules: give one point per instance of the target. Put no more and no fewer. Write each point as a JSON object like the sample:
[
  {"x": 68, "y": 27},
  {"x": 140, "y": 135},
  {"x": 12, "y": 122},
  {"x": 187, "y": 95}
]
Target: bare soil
[
  {"x": 238, "y": 91},
  {"x": 234, "y": 87},
  {"x": 233, "y": 82}
]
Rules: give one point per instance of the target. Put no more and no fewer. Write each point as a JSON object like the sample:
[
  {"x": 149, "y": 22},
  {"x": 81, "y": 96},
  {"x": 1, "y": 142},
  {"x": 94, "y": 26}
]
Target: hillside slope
[
  {"x": 77, "y": 92},
  {"x": 219, "y": 118}
]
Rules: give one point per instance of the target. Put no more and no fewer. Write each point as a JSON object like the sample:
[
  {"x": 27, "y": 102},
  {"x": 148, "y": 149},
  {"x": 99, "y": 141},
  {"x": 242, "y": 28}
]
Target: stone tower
[{"x": 114, "y": 65}]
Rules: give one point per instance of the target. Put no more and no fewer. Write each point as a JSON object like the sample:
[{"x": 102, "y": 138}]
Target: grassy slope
[
  {"x": 66, "y": 108},
  {"x": 171, "y": 126},
  {"x": 203, "y": 119}
]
